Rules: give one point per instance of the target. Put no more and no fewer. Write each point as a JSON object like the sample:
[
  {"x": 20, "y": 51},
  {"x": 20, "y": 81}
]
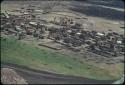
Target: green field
[{"x": 15, "y": 52}]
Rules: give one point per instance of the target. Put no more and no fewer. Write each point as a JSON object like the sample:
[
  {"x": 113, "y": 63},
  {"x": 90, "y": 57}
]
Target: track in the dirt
[{"x": 42, "y": 77}]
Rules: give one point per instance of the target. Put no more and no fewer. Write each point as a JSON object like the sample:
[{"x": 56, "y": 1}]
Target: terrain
[
  {"x": 32, "y": 61},
  {"x": 37, "y": 77},
  {"x": 105, "y": 14},
  {"x": 20, "y": 53}
]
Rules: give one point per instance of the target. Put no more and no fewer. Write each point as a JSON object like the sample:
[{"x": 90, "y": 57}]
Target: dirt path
[{"x": 42, "y": 77}]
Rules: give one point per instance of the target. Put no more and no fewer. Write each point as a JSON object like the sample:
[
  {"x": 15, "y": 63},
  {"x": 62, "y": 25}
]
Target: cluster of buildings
[
  {"x": 76, "y": 37},
  {"x": 67, "y": 33}
]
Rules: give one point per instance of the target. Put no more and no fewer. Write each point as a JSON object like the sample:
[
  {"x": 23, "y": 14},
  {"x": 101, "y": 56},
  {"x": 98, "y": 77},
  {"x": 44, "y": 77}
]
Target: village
[
  {"x": 44, "y": 42},
  {"x": 63, "y": 30}
]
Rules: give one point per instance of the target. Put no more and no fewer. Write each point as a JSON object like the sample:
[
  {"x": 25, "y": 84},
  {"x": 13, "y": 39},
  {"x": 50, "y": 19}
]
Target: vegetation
[{"x": 15, "y": 52}]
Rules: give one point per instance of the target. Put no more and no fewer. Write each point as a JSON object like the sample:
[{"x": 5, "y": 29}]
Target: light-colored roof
[
  {"x": 100, "y": 34},
  {"x": 39, "y": 10},
  {"x": 69, "y": 31},
  {"x": 119, "y": 42},
  {"x": 14, "y": 13},
  {"x": 33, "y": 23},
  {"x": 78, "y": 33},
  {"x": 25, "y": 13}
]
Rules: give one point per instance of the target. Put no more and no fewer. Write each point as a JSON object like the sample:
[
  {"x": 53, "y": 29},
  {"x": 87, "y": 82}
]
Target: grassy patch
[{"x": 13, "y": 51}]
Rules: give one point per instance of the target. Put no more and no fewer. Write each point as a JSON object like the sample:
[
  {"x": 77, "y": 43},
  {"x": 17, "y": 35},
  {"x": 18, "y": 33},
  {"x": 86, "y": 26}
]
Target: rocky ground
[{"x": 9, "y": 76}]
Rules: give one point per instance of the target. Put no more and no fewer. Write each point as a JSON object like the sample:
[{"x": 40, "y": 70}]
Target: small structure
[
  {"x": 33, "y": 23},
  {"x": 100, "y": 34}
]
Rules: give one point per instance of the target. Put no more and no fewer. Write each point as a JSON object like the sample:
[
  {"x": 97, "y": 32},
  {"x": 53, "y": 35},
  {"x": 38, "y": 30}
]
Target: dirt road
[{"x": 33, "y": 76}]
